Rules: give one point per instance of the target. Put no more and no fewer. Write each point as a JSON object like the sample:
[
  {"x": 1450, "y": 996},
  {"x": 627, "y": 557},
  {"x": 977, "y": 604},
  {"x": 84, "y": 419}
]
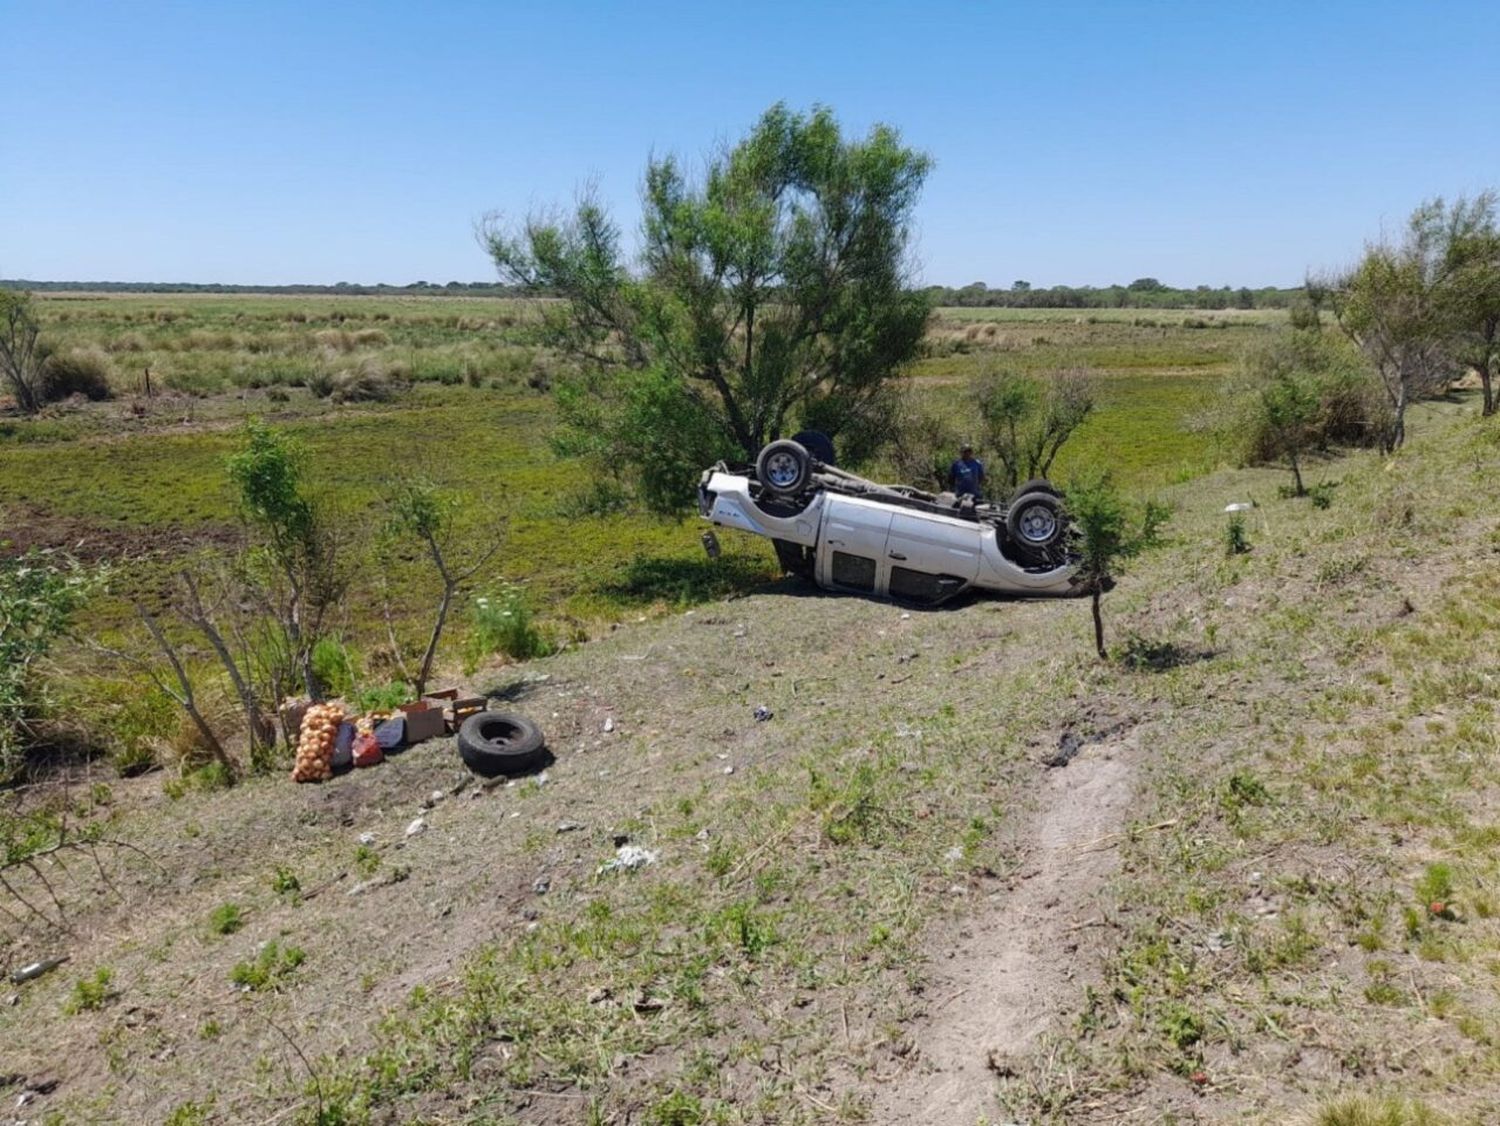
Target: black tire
[
  {"x": 1036, "y": 485},
  {"x": 818, "y": 444},
  {"x": 1036, "y": 522},
  {"x": 494, "y": 743},
  {"x": 783, "y": 468}
]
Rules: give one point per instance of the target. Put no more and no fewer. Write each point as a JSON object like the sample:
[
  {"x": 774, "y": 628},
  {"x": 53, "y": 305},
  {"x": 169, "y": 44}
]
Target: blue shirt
[{"x": 967, "y": 476}]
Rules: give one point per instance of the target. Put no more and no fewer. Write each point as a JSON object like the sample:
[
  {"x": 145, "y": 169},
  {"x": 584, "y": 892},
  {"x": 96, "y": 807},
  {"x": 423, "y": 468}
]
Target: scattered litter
[
  {"x": 762, "y": 713},
  {"x": 953, "y": 854},
  {"x": 904, "y": 657},
  {"x": 904, "y": 617},
  {"x": 541, "y": 885},
  {"x": 569, "y": 826},
  {"x": 729, "y": 770},
  {"x": 433, "y": 798},
  {"x": 647, "y": 1004},
  {"x": 703, "y": 834},
  {"x": 609, "y": 724},
  {"x": 1239, "y": 506},
  {"x": 37, "y": 969},
  {"x": 541, "y": 779},
  {"x": 628, "y": 857},
  {"x": 417, "y": 826},
  {"x": 598, "y": 996},
  {"x": 904, "y": 732},
  {"x": 13, "y": 1000},
  {"x": 620, "y": 839},
  {"x": 367, "y": 839}
]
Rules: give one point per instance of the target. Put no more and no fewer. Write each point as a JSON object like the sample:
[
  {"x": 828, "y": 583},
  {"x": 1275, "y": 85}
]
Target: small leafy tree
[
  {"x": 1290, "y": 407},
  {"x": 1027, "y": 420},
  {"x": 772, "y": 294},
  {"x": 1469, "y": 297},
  {"x": 420, "y": 511},
  {"x": 21, "y": 353},
  {"x": 1109, "y": 534},
  {"x": 39, "y": 594},
  {"x": 1394, "y": 305},
  {"x": 298, "y": 565}
]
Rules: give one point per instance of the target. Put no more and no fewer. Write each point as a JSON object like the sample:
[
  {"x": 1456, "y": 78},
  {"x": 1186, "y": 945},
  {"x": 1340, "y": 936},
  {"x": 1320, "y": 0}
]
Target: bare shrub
[
  {"x": 370, "y": 337},
  {"x": 1028, "y": 419}
]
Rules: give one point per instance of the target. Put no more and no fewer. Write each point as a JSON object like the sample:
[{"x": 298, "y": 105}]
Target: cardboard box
[{"x": 424, "y": 720}]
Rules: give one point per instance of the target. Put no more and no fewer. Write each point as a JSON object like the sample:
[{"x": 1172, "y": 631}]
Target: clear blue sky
[{"x": 1217, "y": 143}]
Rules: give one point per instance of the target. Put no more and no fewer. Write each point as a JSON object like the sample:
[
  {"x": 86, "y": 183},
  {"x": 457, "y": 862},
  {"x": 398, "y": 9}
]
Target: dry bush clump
[
  {"x": 370, "y": 338},
  {"x": 128, "y": 342},
  {"x": 333, "y": 340},
  {"x": 368, "y": 381},
  {"x": 84, "y": 371},
  {"x": 186, "y": 749}
]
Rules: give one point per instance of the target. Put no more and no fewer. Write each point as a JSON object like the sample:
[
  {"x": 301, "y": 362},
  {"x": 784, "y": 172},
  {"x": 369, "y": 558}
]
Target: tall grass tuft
[
  {"x": 502, "y": 623},
  {"x": 84, "y": 372}
]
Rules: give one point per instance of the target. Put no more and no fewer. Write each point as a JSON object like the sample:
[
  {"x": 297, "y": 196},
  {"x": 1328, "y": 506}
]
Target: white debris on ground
[
  {"x": 1239, "y": 506},
  {"x": 628, "y": 857},
  {"x": 417, "y": 826}
]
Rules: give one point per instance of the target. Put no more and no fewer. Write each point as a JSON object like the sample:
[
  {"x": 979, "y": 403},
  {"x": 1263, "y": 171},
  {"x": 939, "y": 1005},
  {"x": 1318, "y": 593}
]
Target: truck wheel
[
  {"x": 817, "y": 443},
  {"x": 783, "y": 467},
  {"x": 494, "y": 743},
  {"x": 1035, "y": 521},
  {"x": 1037, "y": 485}
]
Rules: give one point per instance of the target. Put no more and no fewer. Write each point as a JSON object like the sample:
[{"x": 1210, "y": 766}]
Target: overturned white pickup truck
[{"x": 847, "y": 533}]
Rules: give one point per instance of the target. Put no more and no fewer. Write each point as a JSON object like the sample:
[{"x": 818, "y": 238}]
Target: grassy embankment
[{"x": 1314, "y": 736}]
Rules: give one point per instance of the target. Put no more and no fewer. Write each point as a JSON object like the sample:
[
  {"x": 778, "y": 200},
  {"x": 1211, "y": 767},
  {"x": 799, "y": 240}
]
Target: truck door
[
  {"x": 851, "y": 545},
  {"x": 931, "y": 557}
]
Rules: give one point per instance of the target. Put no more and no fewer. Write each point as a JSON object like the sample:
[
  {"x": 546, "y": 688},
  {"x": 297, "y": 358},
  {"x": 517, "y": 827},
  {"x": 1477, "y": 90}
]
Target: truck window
[
  {"x": 854, "y": 571},
  {"x": 919, "y": 586}
]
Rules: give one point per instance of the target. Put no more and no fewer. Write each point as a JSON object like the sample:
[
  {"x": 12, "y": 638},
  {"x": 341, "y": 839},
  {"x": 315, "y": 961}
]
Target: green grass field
[{"x": 141, "y": 479}]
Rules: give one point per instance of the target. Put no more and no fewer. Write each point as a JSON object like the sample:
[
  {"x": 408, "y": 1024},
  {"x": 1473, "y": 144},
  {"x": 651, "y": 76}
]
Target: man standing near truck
[{"x": 966, "y": 477}]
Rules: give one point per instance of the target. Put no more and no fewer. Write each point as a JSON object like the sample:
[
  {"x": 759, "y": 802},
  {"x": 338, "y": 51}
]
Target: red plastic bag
[{"x": 367, "y": 751}]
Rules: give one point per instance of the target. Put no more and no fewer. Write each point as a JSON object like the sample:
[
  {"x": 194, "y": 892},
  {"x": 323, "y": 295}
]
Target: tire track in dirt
[{"x": 1000, "y": 989}]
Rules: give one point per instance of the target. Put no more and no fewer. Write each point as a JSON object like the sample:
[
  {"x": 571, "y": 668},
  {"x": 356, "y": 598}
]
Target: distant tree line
[
  {"x": 1143, "y": 293},
  {"x": 338, "y": 289}
]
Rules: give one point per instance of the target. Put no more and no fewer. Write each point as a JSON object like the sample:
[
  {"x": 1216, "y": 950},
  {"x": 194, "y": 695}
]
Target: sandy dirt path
[{"x": 1001, "y": 988}]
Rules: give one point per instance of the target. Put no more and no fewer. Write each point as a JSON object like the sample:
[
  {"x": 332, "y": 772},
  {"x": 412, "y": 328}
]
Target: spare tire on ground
[{"x": 494, "y": 743}]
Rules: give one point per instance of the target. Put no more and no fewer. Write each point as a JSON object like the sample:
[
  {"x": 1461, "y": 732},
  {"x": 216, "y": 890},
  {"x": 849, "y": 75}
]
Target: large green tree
[{"x": 771, "y": 294}]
